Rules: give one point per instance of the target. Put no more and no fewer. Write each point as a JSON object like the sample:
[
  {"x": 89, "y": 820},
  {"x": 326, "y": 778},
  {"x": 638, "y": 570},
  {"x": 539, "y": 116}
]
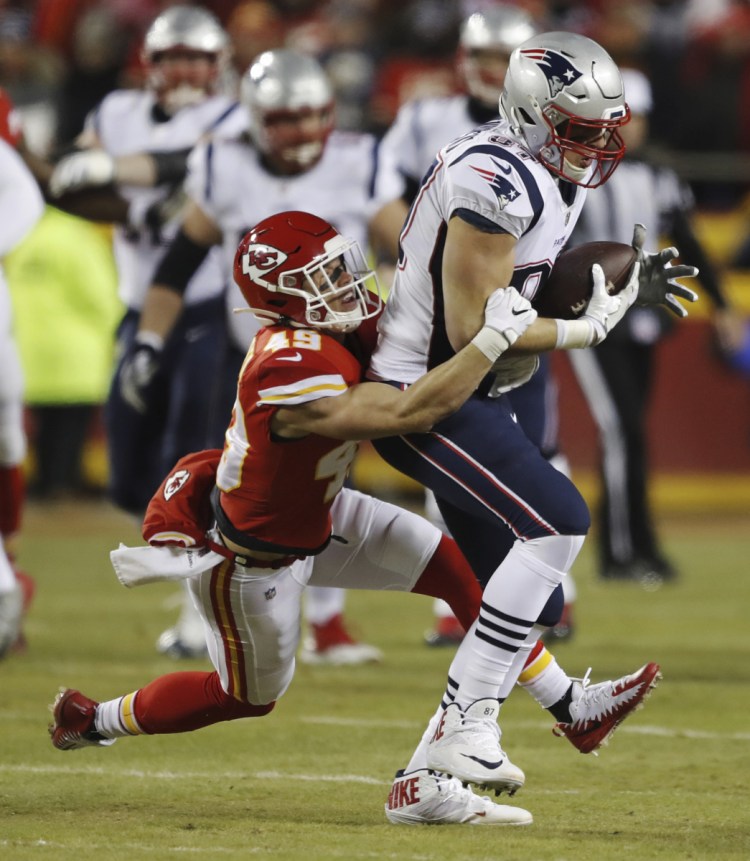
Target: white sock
[
  {"x": 511, "y": 603},
  {"x": 545, "y": 679}
]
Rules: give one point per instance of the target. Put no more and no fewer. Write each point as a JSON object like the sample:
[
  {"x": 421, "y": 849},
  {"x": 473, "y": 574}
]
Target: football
[{"x": 569, "y": 286}]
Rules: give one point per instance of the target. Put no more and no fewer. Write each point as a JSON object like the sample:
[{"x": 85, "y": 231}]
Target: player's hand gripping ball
[{"x": 569, "y": 286}]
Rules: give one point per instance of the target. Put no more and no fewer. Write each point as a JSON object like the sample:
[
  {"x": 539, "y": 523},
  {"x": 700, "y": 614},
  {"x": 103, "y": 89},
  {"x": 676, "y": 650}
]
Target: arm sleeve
[
  {"x": 180, "y": 263},
  {"x": 171, "y": 167}
]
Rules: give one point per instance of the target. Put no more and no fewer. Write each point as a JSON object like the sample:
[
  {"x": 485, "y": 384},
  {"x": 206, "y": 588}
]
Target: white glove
[
  {"x": 507, "y": 315},
  {"x": 604, "y": 312},
  {"x": 657, "y": 276},
  {"x": 513, "y": 371},
  {"x": 86, "y": 169}
]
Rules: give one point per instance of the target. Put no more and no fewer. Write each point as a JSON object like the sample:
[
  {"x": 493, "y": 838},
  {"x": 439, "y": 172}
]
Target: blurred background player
[
  {"x": 291, "y": 158},
  {"x": 129, "y": 168},
  {"x": 421, "y": 128},
  {"x": 21, "y": 207},
  {"x": 616, "y": 376}
]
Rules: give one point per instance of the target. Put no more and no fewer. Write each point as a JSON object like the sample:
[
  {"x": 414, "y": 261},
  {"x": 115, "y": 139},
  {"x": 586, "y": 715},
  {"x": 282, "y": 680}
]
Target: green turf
[{"x": 309, "y": 781}]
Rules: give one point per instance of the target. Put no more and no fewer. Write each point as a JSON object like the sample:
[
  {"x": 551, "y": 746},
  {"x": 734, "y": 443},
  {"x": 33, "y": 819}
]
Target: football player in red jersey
[{"x": 277, "y": 517}]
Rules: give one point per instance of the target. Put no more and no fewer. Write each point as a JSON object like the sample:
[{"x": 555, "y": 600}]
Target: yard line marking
[
  {"x": 638, "y": 729},
  {"x": 196, "y": 775}
]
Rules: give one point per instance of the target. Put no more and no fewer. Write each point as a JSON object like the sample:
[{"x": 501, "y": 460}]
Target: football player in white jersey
[
  {"x": 129, "y": 166},
  {"x": 21, "y": 207},
  {"x": 421, "y": 128},
  {"x": 495, "y": 209},
  {"x": 133, "y": 152},
  {"x": 291, "y": 158}
]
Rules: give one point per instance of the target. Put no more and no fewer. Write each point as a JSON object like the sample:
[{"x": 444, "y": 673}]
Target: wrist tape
[
  {"x": 574, "y": 334},
  {"x": 490, "y": 342}
]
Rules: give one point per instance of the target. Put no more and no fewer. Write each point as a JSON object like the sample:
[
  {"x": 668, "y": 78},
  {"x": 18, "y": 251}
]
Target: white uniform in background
[
  {"x": 125, "y": 124},
  {"x": 347, "y": 187},
  {"x": 21, "y": 207}
]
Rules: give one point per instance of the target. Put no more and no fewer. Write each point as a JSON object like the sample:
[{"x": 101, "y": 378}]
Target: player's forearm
[
  {"x": 138, "y": 169},
  {"x": 375, "y": 410},
  {"x": 442, "y": 391},
  {"x": 538, "y": 338},
  {"x": 161, "y": 311}
]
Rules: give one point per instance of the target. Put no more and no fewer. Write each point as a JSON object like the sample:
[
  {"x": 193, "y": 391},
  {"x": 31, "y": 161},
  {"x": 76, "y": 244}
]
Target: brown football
[{"x": 569, "y": 286}]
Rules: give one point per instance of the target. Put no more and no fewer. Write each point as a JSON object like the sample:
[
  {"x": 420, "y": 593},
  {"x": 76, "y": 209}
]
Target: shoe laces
[
  {"x": 596, "y": 699},
  {"x": 482, "y": 726}
]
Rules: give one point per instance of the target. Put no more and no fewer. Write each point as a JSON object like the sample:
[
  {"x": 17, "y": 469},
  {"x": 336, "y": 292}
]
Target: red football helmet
[{"x": 296, "y": 266}]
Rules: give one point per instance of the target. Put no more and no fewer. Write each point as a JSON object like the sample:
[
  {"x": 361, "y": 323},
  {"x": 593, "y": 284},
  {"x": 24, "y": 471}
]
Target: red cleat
[
  {"x": 599, "y": 709},
  {"x": 72, "y": 724}
]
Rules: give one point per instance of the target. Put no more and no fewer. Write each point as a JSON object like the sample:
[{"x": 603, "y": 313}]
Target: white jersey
[
  {"x": 424, "y": 126},
  {"x": 496, "y": 183},
  {"x": 21, "y": 206},
  {"x": 126, "y": 122},
  {"x": 346, "y": 187}
]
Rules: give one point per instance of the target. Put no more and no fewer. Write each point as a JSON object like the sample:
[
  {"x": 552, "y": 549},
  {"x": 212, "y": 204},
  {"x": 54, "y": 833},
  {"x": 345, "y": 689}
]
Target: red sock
[
  {"x": 534, "y": 653},
  {"x": 181, "y": 702},
  {"x": 11, "y": 499},
  {"x": 449, "y": 576}
]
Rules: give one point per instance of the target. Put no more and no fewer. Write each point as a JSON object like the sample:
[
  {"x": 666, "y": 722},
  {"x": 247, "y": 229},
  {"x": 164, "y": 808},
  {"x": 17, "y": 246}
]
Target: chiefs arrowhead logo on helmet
[{"x": 258, "y": 260}]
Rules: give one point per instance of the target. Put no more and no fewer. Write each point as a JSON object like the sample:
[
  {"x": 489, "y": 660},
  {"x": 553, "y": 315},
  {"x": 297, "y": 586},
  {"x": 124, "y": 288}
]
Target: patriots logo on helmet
[
  {"x": 506, "y": 192},
  {"x": 175, "y": 482},
  {"x": 557, "y": 69}
]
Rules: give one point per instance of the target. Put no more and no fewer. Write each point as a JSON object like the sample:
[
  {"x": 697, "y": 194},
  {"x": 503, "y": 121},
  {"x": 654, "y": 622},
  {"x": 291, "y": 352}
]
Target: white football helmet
[
  {"x": 289, "y": 100},
  {"x": 178, "y": 32},
  {"x": 564, "y": 95},
  {"x": 486, "y": 41}
]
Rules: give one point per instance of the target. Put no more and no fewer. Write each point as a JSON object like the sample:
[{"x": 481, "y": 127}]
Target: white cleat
[
  {"x": 426, "y": 797},
  {"x": 466, "y": 745}
]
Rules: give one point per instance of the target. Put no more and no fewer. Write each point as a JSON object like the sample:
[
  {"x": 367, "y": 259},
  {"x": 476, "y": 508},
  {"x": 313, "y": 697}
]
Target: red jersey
[{"x": 280, "y": 491}]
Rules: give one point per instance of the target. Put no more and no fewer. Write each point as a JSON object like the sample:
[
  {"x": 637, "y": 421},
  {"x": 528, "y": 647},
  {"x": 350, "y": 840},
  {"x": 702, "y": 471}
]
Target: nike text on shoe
[
  {"x": 72, "y": 724},
  {"x": 426, "y": 797},
  {"x": 466, "y": 745},
  {"x": 597, "y": 710}
]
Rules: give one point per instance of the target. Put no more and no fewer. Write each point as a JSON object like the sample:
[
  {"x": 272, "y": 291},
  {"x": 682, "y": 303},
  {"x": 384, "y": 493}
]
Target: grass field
[{"x": 309, "y": 781}]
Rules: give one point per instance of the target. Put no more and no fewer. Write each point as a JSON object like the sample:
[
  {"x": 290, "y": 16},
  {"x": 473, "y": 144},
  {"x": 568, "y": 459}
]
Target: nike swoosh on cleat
[{"x": 484, "y": 762}]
